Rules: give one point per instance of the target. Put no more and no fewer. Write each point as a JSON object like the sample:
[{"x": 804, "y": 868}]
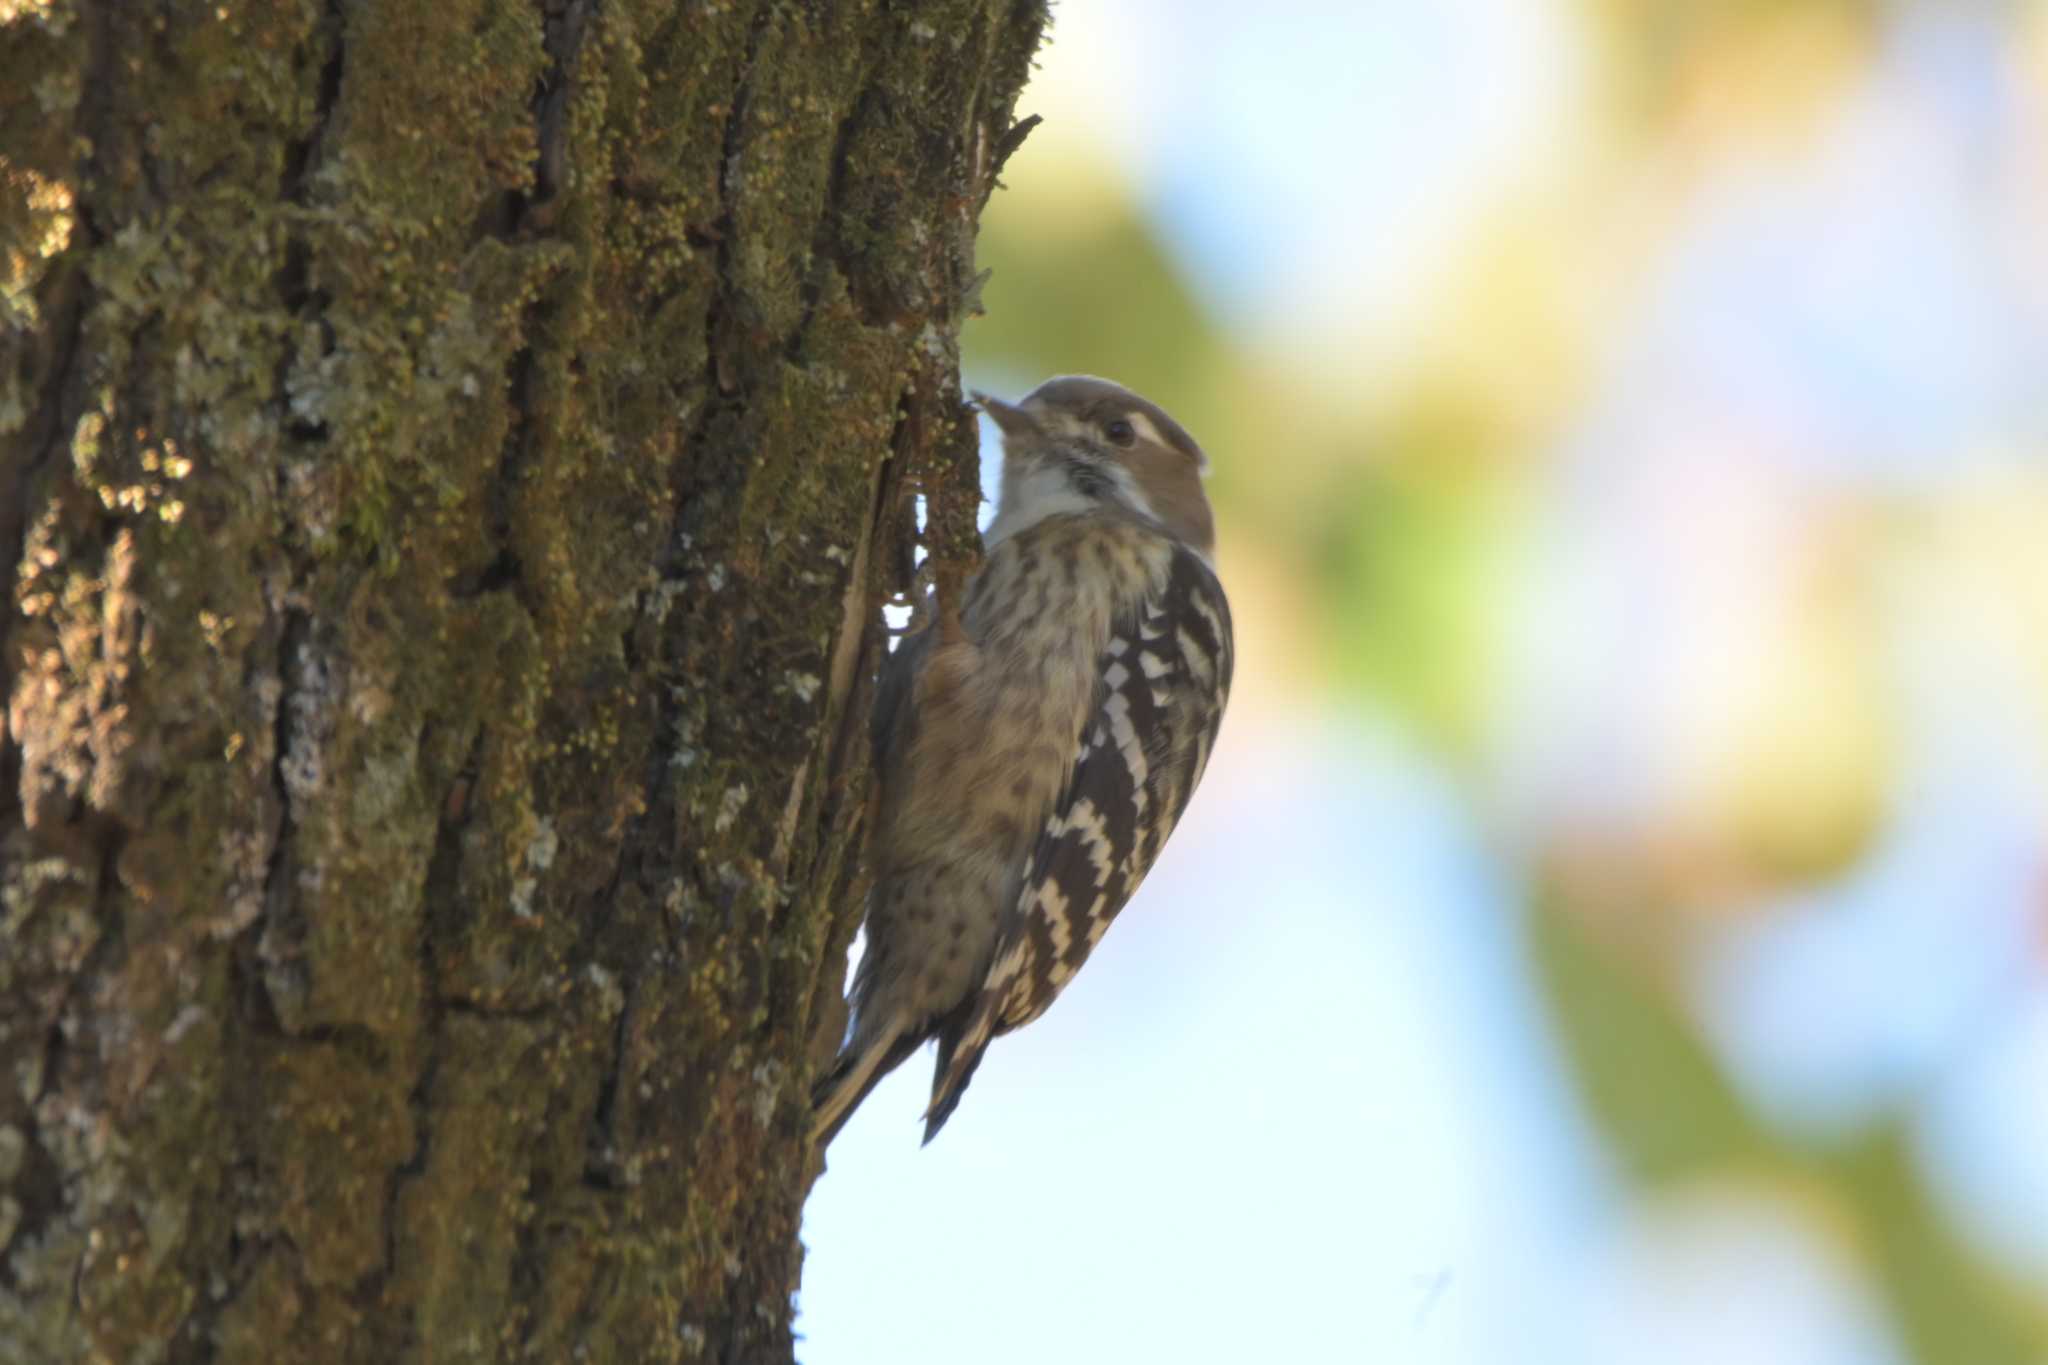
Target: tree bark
[{"x": 451, "y": 459}]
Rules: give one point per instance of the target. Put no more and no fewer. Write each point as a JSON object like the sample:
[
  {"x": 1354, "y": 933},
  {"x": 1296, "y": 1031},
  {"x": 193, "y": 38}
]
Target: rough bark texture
[{"x": 451, "y": 455}]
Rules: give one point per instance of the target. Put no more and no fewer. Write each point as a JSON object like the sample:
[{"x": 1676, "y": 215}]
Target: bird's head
[{"x": 1078, "y": 444}]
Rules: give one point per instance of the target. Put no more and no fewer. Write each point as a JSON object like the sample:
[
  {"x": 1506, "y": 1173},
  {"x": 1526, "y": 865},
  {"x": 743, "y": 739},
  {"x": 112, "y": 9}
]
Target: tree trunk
[{"x": 451, "y": 458}]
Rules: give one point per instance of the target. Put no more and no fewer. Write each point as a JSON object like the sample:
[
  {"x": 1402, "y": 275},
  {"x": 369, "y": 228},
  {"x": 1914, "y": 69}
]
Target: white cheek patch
[
  {"x": 1129, "y": 493},
  {"x": 1040, "y": 493}
]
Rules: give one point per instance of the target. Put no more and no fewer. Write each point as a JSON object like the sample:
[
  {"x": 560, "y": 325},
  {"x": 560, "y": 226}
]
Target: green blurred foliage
[
  {"x": 1406, "y": 560},
  {"x": 1648, "y": 1079},
  {"x": 1099, "y": 295},
  {"x": 1674, "y": 1120}
]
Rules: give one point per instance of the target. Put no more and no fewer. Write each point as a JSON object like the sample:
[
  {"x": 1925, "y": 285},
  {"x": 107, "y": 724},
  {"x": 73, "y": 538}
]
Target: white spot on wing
[
  {"x": 1087, "y": 821},
  {"x": 1130, "y": 745},
  {"x": 1197, "y": 659},
  {"x": 1200, "y": 601}
]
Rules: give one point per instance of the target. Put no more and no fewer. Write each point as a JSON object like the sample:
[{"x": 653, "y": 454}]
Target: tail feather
[
  {"x": 962, "y": 1041},
  {"x": 854, "y": 1073}
]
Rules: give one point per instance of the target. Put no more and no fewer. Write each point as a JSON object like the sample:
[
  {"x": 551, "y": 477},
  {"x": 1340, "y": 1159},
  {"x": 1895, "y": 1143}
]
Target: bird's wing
[{"x": 1165, "y": 677}]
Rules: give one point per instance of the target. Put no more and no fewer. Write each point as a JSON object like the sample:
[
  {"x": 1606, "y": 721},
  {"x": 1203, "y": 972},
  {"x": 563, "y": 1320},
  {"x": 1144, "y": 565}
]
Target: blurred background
[{"x": 1614, "y": 926}]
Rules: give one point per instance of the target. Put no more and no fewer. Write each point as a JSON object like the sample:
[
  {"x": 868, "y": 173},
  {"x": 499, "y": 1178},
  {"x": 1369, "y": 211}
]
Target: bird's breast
[{"x": 1001, "y": 714}]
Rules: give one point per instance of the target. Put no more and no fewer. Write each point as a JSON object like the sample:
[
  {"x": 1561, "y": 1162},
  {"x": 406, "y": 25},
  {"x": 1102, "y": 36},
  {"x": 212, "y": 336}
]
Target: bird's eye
[{"x": 1120, "y": 432}]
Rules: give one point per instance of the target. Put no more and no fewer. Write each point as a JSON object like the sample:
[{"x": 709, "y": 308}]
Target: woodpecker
[{"x": 1035, "y": 751}]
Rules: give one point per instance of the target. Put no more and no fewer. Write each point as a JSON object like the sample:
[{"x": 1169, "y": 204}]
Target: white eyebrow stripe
[{"x": 1143, "y": 426}]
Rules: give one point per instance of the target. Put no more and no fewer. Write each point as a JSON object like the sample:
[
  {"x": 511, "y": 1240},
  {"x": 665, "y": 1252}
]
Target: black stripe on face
[{"x": 1087, "y": 478}]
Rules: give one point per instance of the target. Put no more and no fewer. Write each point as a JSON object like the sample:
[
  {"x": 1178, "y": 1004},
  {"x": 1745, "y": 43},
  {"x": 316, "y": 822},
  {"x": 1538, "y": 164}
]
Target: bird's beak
[{"x": 1013, "y": 420}]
